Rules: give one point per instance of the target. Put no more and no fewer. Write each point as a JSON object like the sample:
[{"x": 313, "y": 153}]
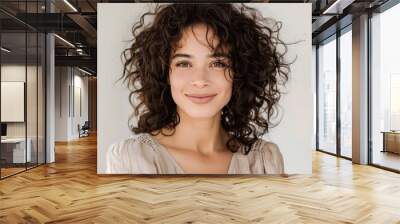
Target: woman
[{"x": 206, "y": 77}]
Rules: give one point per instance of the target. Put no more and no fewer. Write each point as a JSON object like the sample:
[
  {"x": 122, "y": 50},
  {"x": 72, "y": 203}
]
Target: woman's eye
[
  {"x": 182, "y": 64},
  {"x": 219, "y": 64}
]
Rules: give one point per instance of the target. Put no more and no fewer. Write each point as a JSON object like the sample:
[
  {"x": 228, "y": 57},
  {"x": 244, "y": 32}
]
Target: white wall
[
  {"x": 80, "y": 83},
  {"x": 61, "y": 103},
  {"x": 294, "y": 135},
  {"x": 66, "y": 119},
  {"x": 16, "y": 72}
]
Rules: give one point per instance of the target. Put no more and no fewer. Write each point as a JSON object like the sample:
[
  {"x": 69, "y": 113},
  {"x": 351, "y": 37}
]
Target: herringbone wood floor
[{"x": 70, "y": 191}]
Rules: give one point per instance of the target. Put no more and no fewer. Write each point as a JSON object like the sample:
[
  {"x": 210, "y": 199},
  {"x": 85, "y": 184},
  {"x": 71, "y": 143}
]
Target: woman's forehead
[{"x": 200, "y": 36}]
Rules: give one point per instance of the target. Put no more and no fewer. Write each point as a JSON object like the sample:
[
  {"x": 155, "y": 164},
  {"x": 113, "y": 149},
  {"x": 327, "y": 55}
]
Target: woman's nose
[
  {"x": 200, "y": 83},
  {"x": 200, "y": 78}
]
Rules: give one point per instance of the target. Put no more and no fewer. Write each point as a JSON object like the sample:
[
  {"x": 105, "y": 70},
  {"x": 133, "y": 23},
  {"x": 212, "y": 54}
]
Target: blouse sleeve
[
  {"x": 131, "y": 156},
  {"x": 114, "y": 158},
  {"x": 272, "y": 159}
]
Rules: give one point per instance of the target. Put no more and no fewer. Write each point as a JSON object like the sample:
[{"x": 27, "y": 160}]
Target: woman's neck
[{"x": 202, "y": 135}]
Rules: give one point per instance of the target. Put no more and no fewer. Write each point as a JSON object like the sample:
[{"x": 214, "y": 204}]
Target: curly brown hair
[{"x": 257, "y": 64}]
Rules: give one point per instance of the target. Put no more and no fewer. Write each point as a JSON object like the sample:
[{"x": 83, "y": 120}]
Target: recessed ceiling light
[
  {"x": 64, "y": 40},
  {"x": 5, "y": 50},
  {"x": 84, "y": 71},
  {"x": 70, "y": 5},
  {"x": 337, "y": 7}
]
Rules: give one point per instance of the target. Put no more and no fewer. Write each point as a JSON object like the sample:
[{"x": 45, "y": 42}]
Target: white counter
[{"x": 19, "y": 155}]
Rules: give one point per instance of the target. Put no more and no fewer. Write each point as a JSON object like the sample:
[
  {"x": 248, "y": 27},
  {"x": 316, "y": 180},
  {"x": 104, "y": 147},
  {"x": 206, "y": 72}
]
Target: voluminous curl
[{"x": 257, "y": 65}]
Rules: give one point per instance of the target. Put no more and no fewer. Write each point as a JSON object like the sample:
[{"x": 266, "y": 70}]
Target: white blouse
[{"x": 142, "y": 154}]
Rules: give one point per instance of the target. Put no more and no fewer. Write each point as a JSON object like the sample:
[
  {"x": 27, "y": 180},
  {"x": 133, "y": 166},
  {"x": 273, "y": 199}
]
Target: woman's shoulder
[
  {"x": 139, "y": 141},
  {"x": 130, "y": 155},
  {"x": 265, "y": 146},
  {"x": 267, "y": 154}
]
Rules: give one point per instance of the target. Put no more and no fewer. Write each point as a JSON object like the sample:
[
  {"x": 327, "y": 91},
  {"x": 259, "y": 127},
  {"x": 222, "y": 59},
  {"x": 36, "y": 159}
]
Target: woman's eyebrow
[
  {"x": 213, "y": 55},
  {"x": 182, "y": 55}
]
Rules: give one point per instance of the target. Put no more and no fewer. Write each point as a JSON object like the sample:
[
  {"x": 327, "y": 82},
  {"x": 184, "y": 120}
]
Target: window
[
  {"x": 346, "y": 93},
  {"x": 385, "y": 89},
  {"x": 327, "y": 96}
]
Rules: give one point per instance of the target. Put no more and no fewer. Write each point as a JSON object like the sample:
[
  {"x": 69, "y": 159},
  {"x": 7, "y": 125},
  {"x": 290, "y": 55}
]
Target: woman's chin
[{"x": 201, "y": 114}]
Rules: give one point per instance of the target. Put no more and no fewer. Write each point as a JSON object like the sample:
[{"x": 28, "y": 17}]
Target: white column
[
  {"x": 360, "y": 90},
  {"x": 50, "y": 100},
  {"x": 50, "y": 92}
]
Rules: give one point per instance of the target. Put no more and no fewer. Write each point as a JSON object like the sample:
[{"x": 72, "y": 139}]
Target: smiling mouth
[
  {"x": 200, "y": 95},
  {"x": 200, "y": 98}
]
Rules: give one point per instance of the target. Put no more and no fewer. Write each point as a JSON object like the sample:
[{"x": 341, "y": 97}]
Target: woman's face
[{"x": 200, "y": 82}]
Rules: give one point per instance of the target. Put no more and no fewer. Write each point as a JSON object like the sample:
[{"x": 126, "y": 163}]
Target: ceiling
[{"x": 76, "y": 22}]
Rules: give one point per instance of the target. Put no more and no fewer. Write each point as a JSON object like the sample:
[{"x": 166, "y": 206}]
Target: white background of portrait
[{"x": 294, "y": 135}]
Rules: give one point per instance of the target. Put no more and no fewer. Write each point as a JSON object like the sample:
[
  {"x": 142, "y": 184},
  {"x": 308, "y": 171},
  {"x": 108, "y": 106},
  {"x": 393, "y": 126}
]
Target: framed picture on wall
[{"x": 12, "y": 101}]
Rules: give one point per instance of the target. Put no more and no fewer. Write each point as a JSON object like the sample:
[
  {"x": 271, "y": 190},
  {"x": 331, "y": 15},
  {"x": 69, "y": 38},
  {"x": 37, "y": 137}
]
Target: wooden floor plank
[{"x": 70, "y": 191}]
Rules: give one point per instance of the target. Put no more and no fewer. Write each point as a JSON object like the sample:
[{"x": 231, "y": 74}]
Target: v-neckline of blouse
[{"x": 172, "y": 158}]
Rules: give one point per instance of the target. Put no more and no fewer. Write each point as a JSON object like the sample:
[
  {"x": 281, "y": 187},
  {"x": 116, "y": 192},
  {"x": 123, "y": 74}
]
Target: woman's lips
[{"x": 200, "y": 98}]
